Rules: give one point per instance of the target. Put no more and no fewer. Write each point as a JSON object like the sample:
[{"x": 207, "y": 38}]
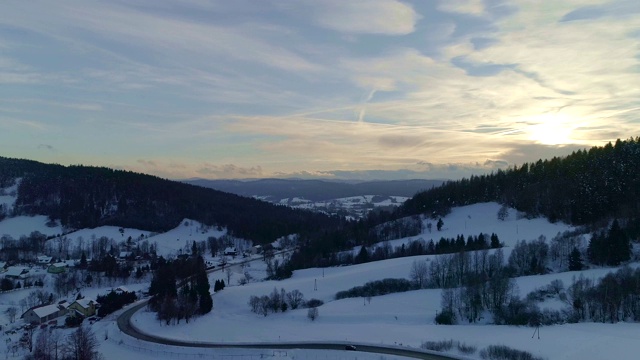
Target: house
[
  {"x": 17, "y": 272},
  {"x": 44, "y": 260},
  {"x": 57, "y": 268},
  {"x": 231, "y": 251},
  {"x": 124, "y": 255},
  {"x": 85, "y": 307},
  {"x": 42, "y": 314}
]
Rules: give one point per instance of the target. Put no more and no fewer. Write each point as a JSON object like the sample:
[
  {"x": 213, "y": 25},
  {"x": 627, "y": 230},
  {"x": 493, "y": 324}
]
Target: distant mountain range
[{"x": 275, "y": 190}]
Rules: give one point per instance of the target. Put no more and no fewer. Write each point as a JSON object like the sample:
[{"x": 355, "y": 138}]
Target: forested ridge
[
  {"x": 580, "y": 189},
  {"x": 86, "y": 197}
]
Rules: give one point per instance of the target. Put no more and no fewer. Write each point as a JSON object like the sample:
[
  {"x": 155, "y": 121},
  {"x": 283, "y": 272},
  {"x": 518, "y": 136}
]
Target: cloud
[
  {"x": 532, "y": 152},
  {"x": 229, "y": 171},
  {"x": 147, "y": 163},
  {"x": 46, "y": 147},
  {"x": 387, "y": 17},
  {"x": 471, "y": 7},
  {"x": 319, "y": 87}
]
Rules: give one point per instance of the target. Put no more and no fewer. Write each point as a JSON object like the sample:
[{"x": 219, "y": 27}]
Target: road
[{"x": 124, "y": 324}]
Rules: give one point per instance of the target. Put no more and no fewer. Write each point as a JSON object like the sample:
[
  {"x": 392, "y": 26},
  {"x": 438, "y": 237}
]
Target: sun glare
[{"x": 551, "y": 130}]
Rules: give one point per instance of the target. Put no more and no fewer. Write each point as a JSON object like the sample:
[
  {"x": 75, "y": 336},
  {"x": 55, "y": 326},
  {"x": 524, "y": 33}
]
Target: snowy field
[
  {"x": 403, "y": 319},
  {"x": 25, "y": 225},
  {"x": 169, "y": 243}
]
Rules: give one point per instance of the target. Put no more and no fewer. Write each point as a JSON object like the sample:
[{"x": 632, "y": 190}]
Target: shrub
[
  {"x": 312, "y": 313},
  {"x": 466, "y": 349},
  {"x": 314, "y": 303},
  {"x": 73, "y": 321},
  {"x": 446, "y": 318},
  {"x": 518, "y": 312},
  {"x": 378, "y": 287},
  {"x": 444, "y": 345},
  {"x": 501, "y": 352}
]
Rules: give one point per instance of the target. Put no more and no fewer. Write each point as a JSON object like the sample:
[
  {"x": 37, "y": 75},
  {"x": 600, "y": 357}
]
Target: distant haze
[{"x": 316, "y": 190}]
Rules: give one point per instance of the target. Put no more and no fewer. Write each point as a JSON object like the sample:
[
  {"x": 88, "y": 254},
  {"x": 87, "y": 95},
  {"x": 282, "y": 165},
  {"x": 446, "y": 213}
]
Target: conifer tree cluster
[
  {"x": 191, "y": 297},
  {"x": 611, "y": 247},
  {"x": 581, "y": 188}
]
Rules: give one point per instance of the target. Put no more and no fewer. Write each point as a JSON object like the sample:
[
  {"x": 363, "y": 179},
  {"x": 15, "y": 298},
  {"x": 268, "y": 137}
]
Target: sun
[{"x": 551, "y": 129}]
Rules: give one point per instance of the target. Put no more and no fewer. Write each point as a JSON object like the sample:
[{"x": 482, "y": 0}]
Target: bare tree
[
  {"x": 23, "y": 304},
  {"x": 44, "y": 348},
  {"x": 11, "y": 314},
  {"x": 503, "y": 213},
  {"x": 295, "y": 299},
  {"x": 419, "y": 273},
  {"x": 228, "y": 272},
  {"x": 82, "y": 345},
  {"x": 312, "y": 313}
]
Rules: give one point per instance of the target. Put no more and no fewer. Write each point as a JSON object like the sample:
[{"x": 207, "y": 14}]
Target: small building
[
  {"x": 42, "y": 314},
  {"x": 230, "y": 251},
  {"x": 17, "y": 272},
  {"x": 85, "y": 307},
  {"x": 124, "y": 255},
  {"x": 57, "y": 268},
  {"x": 44, "y": 260}
]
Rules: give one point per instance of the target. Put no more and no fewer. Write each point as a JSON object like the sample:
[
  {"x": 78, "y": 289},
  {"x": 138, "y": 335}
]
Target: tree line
[
  {"x": 306, "y": 257},
  {"x": 87, "y": 197},
  {"x": 582, "y": 188}
]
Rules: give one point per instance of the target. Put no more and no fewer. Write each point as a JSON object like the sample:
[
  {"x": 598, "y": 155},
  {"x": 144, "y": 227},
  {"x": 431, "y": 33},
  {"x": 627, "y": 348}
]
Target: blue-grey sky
[{"x": 332, "y": 89}]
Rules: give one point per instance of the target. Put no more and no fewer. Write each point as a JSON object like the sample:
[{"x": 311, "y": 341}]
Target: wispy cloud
[
  {"x": 46, "y": 147},
  {"x": 331, "y": 88},
  {"x": 388, "y": 17}
]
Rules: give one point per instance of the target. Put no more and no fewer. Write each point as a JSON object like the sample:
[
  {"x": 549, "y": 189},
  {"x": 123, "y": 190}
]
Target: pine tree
[
  {"x": 439, "y": 224},
  {"x": 575, "y": 260},
  {"x": 202, "y": 286},
  {"x": 495, "y": 242},
  {"x": 596, "y": 251},
  {"x": 619, "y": 246},
  {"x": 363, "y": 255}
]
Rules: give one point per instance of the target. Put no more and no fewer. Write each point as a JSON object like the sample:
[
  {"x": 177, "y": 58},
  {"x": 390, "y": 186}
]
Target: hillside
[
  {"x": 86, "y": 197},
  {"x": 581, "y": 189},
  {"x": 407, "y": 318}
]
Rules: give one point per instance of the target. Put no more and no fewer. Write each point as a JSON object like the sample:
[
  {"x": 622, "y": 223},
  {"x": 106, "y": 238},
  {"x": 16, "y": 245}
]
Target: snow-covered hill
[
  {"x": 401, "y": 318},
  {"x": 404, "y": 318}
]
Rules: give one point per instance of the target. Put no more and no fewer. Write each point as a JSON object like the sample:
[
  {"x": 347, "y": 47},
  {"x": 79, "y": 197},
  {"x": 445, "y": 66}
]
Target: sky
[{"x": 333, "y": 89}]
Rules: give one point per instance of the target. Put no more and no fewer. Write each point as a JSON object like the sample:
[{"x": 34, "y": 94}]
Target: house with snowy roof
[
  {"x": 42, "y": 314},
  {"x": 44, "y": 260},
  {"x": 57, "y": 268},
  {"x": 17, "y": 272},
  {"x": 84, "y": 307},
  {"x": 231, "y": 251}
]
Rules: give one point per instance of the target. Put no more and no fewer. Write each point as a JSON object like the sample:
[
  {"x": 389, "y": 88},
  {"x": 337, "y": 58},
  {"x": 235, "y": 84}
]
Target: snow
[
  {"x": 176, "y": 240},
  {"x": 482, "y": 218},
  {"x": 8, "y": 195},
  {"x": 402, "y": 319},
  {"x": 25, "y": 225}
]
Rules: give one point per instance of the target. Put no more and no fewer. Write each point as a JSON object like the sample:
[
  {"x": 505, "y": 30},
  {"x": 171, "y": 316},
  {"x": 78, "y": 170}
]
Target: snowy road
[{"x": 124, "y": 324}]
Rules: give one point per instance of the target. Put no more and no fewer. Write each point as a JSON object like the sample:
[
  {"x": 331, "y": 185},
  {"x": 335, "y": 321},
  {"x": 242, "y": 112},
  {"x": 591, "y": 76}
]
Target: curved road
[{"x": 124, "y": 324}]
